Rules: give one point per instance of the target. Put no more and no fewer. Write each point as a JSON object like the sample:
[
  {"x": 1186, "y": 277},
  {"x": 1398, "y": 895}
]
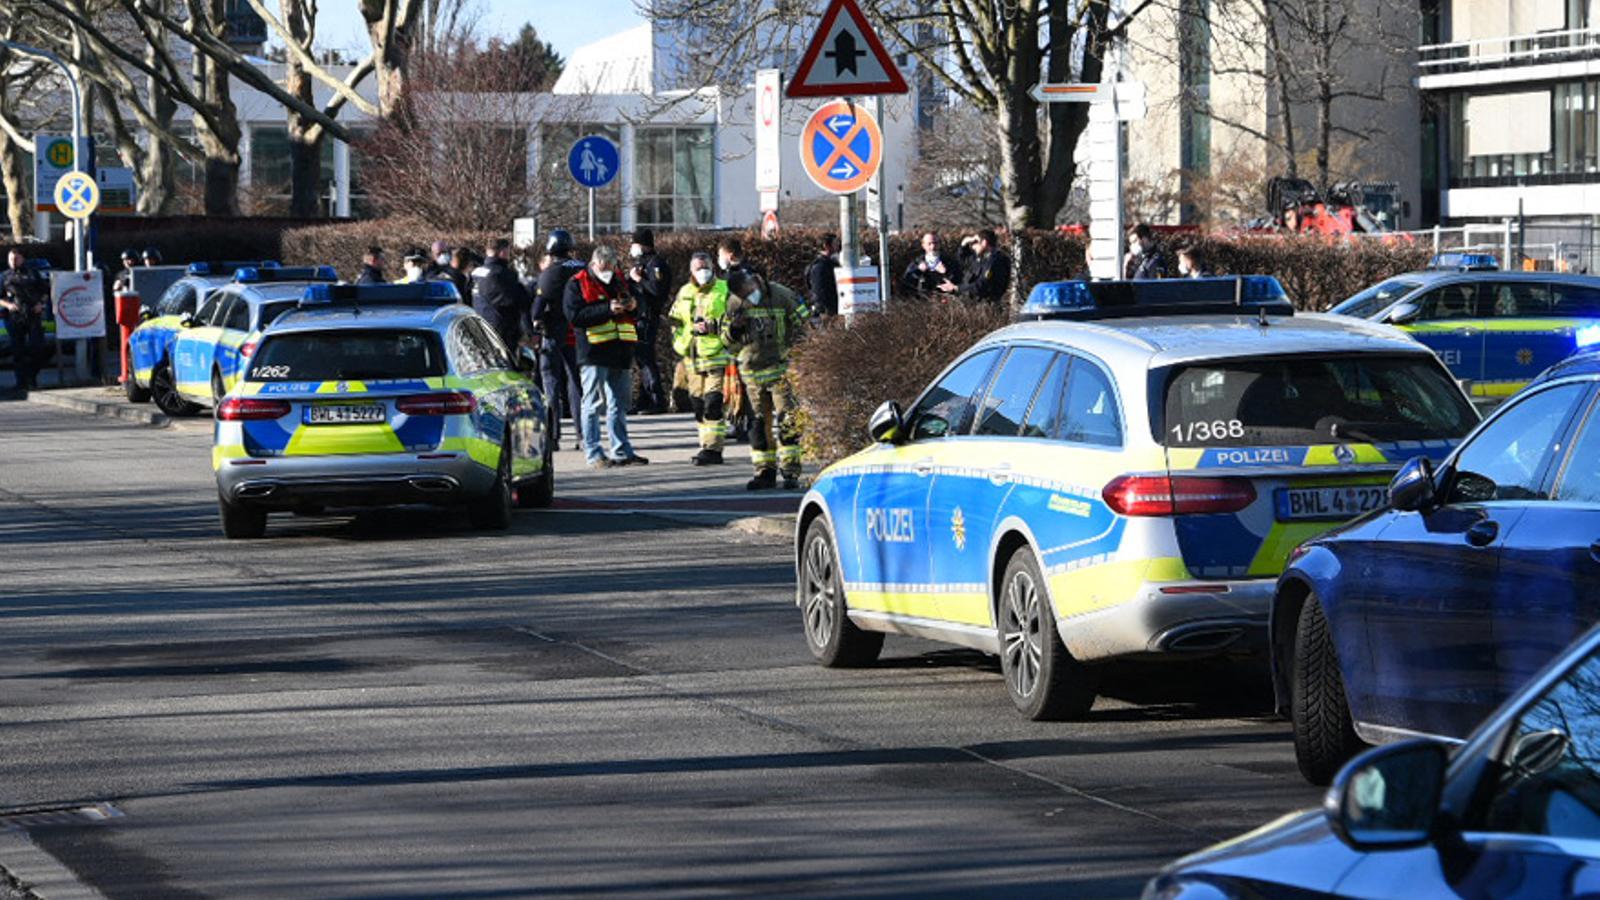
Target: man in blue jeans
[{"x": 604, "y": 319}]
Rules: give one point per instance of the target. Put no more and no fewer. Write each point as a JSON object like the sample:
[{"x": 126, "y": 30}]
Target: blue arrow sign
[{"x": 594, "y": 161}]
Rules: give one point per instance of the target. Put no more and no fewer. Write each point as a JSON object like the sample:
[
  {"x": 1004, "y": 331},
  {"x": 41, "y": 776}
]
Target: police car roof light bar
[
  {"x": 1465, "y": 262},
  {"x": 253, "y": 275},
  {"x": 1089, "y": 300},
  {"x": 355, "y": 296},
  {"x": 228, "y": 267}
]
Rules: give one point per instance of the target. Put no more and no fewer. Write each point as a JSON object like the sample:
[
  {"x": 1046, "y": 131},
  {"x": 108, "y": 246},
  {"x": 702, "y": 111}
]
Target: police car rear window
[
  {"x": 1313, "y": 400},
  {"x": 348, "y": 356}
]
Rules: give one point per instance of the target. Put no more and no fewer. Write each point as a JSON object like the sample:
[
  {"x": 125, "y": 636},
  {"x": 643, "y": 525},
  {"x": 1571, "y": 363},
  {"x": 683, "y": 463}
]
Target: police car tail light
[
  {"x": 245, "y": 409},
  {"x": 1160, "y": 495},
  {"x": 455, "y": 403}
]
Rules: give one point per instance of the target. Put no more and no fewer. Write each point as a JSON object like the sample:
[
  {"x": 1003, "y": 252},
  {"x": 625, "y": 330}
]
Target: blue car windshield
[{"x": 1375, "y": 299}]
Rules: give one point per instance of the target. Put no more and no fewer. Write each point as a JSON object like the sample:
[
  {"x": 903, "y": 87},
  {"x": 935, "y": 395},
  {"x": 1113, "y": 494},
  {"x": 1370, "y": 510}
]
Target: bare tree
[{"x": 955, "y": 177}]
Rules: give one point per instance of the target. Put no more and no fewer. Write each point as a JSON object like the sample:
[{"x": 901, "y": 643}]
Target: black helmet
[
  {"x": 130, "y": 253},
  {"x": 151, "y": 253},
  {"x": 559, "y": 243}
]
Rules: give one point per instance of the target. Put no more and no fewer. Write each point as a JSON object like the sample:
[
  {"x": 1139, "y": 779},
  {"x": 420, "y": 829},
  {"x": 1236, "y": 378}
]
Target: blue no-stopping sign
[{"x": 594, "y": 161}]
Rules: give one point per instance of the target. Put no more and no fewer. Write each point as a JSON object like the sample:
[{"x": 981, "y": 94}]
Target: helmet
[
  {"x": 130, "y": 253},
  {"x": 559, "y": 243},
  {"x": 151, "y": 253}
]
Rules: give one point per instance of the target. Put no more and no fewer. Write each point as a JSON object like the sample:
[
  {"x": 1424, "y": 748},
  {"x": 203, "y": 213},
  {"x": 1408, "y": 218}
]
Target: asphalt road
[{"x": 606, "y": 701}]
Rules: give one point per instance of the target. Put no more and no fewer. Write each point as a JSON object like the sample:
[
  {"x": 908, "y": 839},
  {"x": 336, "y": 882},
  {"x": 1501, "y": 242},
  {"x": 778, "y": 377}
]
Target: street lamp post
[{"x": 77, "y": 134}]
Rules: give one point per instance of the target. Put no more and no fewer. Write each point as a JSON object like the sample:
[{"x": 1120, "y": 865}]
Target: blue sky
[{"x": 558, "y": 21}]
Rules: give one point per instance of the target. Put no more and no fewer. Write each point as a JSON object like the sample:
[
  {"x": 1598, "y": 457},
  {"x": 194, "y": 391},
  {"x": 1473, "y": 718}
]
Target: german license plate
[
  {"x": 1330, "y": 503},
  {"x": 345, "y": 413}
]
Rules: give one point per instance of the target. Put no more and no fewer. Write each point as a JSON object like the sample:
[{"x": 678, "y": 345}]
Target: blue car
[
  {"x": 1514, "y": 812},
  {"x": 1422, "y": 617}
]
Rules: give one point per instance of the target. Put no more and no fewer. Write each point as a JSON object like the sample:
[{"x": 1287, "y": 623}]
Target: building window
[
  {"x": 1547, "y": 136},
  {"x": 673, "y": 177},
  {"x": 561, "y": 202}
]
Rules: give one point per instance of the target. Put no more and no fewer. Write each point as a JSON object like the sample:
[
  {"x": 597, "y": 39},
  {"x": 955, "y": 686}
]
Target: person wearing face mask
[
  {"x": 498, "y": 296},
  {"x": 558, "y": 360},
  {"x": 1145, "y": 258},
  {"x": 764, "y": 321},
  {"x": 603, "y": 316},
  {"x": 650, "y": 281},
  {"x": 1191, "y": 264},
  {"x": 730, "y": 257},
  {"x": 438, "y": 262},
  {"x": 929, "y": 270},
  {"x": 697, "y": 316},
  {"x": 416, "y": 267}
]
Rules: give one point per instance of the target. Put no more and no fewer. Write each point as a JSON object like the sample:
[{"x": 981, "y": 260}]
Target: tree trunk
[
  {"x": 391, "y": 27},
  {"x": 1020, "y": 159},
  {"x": 158, "y": 179},
  {"x": 11, "y": 173},
  {"x": 219, "y": 132},
  {"x": 305, "y": 139},
  {"x": 1325, "y": 75},
  {"x": 1280, "y": 71}
]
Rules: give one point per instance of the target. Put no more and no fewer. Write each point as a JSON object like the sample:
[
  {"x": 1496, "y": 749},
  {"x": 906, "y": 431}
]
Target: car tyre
[
  {"x": 164, "y": 391},
  {"x": 834, "y": 640},
  {"x": 1324, "y": 735},
  {"x": 540, "y": 491},
  {"x": 134, "y": 393},
  {"x": 492, "y": 511},
  {"x": 218, "y": 391},
  {"x": 1045, "y": 683},
  {"x": 241, "y": 522}
]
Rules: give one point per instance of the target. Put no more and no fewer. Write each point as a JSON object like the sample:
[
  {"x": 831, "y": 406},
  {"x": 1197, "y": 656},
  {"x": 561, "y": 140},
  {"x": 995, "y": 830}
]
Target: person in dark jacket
[
  {"x": 604, "y": 319},
  {"x": 498, "y": 296},
  {"x": 558, "y": 361},
  {"x": 372, "y": 267},
  {"x": 24, "y": 294},
  {"x": 438, "y": 262},
  {"x": 989, "y": 276},
  {"x": 461, "y": 262},
  {"x": 929, "y": 270},
  {"x": 650, "y": 280},
  {"x": 1146, "y": 258},
  {"x": 822, "y": 290}
]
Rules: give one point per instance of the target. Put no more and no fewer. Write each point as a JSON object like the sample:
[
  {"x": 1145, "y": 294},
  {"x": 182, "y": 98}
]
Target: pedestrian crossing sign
[{"x": 77, "y": 196}]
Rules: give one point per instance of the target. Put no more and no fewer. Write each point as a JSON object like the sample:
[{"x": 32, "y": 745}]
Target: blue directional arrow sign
[{"x": 594, "y": 161}]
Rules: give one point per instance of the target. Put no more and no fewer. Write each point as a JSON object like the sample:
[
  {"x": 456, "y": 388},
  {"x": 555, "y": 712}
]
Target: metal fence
[{"x": 1533, "y": 248}]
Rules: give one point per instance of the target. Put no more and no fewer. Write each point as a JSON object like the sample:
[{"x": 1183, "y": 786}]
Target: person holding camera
[
  {"x": 603, "y": 316},
  {"x": 697, "y": 316},
  {"x": 652, "y": 280}
]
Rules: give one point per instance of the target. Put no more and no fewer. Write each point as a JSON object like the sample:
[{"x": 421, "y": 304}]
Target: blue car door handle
[
  {"x": 923, "y": 467},
  {"x": 1483, "y": 533}
]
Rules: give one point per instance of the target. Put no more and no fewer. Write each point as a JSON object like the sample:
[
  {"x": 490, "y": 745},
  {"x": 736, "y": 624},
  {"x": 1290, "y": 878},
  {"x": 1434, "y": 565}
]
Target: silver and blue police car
[
  {"x": 1124, "y": 476},
  {"x": 380, "y": 395}
]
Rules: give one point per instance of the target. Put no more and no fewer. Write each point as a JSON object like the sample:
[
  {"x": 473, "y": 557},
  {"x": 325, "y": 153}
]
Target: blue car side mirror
[
  {"x": 1412, "y": 488},
  {"x": 887, "y": 424},
  {"x": 1388, "y": 798}
]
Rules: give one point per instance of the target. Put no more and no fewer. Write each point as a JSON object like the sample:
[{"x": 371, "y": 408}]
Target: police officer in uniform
[
  {"x": 651, "y": 281},
  {"x": 372, "y": 267},
  {"x": 558, "y": 360},
  {"x": 989, "y": 276},
  {"x": 697, "y": 316},
  {"x": 23, "y": 296},
  {"x": 822, "y": 287},
  {"x": 498, "y": 296}
]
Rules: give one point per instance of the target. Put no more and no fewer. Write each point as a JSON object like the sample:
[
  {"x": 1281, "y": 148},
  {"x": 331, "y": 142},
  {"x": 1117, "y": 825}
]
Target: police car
[
  {"x": 1125, "y": 476},
  {"x": 381, "y": 395},
  {"x": 152, "y": 374},
  {"x": 1495, "y": 330}
]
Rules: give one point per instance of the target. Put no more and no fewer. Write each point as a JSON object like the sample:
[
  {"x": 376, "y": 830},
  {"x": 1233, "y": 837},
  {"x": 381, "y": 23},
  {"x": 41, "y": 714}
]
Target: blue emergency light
[
  {"x": 1083, "y": 300},
  {"x": 253, "y": 275},
  {"x": 1465, "y": 262},
  {"x": 229, "y": 267},
  {"x": 422, "y": 293}
]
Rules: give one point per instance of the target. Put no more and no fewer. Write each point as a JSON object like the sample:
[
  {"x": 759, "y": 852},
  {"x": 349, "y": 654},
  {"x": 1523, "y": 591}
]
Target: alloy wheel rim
[
  {"x": 1023, "y": 635},
  {"x": 821, "y": 593},
  {"x": 166, "y": 392}
]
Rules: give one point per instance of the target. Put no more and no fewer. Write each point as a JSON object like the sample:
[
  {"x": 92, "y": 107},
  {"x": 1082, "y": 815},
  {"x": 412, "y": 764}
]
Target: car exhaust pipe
[
  {"x": 254, "y": 491},
  {"x": 433, "y": 484}
]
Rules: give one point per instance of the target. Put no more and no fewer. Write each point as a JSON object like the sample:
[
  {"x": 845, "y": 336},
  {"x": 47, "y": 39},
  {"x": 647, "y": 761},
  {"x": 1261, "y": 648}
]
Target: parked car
[
  {"x": 1512, "y": 812},
  {"x": 1125, "y": 477},
  {"x": 1423, "y": 616}
]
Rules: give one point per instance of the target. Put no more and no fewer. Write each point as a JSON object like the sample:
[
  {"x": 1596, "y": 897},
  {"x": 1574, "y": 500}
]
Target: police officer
[
  {"x": 651, "y": 281},
  {"x": 822, "y": 287},
  {"x": 558, "y": 361},
  {"x": 124, "y": 282},
  {"x": 697, "y": 317},
  {"x": 23, "y": 296},
  {"x": 372, "y": 267},
  {"x": 416, "y": 267},
  {"x": 152, "y": 256},
  {"x": 987, "y": 280},
  {"x": 498, "y": 296},
  {"x": 1145, "y": 258},
  {"x": 764, "y": 320},
  {"x": 461, "y": 262}
]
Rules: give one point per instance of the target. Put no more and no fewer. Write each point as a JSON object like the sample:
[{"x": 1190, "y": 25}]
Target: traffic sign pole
[
  {"x": 591, "y": 214},
  {"x": 883, "y": 219}
]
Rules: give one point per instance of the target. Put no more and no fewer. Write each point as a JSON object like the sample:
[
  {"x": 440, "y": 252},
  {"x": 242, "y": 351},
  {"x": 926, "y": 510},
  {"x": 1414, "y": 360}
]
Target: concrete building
[{"x": 1514, "y": 110}]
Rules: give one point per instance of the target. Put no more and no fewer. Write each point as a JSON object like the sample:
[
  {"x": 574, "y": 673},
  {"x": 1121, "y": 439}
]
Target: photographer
[{"x": 697, "y": 316}]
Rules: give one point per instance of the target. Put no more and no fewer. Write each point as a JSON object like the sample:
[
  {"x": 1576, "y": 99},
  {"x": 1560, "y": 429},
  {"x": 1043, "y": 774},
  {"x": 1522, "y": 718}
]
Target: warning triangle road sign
[{"x": 845, "y": 57}]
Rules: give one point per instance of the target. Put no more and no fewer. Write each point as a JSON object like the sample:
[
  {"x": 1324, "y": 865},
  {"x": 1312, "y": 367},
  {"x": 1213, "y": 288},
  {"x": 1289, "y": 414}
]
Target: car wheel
[
  {"x": 834, "y": 640},
  {"x": 134, "y": 393},
  {"x": 1324, "y": 736},
  {"x": 241, "y": 522},
  {"x": 218, "y": 391},
  {"x": 540, "y": 492},
  {"x": 492, "y": 511},
  {"x": 1043, "y": 679},
  {"x": 164, "y": 391}
]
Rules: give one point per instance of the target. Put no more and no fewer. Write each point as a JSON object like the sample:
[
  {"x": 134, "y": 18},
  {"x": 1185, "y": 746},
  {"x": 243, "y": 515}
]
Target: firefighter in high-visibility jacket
[
  {"x": 698, "y": 316},
  {"x": 764, "y": 320}
]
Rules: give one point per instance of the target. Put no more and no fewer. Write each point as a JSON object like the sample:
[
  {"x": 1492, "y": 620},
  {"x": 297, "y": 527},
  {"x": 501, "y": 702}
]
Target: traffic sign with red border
[
  {"x": 856, "y": 61},
  {"x": 841, "y": 147}
]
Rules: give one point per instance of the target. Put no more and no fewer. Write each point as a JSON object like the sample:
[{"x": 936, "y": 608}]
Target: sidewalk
[{"x": 667, "y": 488}]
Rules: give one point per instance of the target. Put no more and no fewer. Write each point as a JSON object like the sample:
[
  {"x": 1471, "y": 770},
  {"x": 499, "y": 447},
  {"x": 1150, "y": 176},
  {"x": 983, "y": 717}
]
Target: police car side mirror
[
  {"x": 146, "y": 314},
  {"x": 887, "y": 424},
  {"x": 1412, "y": 488},
  {"x": 186, "y": 320},
  {"x": 1401, "y": 313}
]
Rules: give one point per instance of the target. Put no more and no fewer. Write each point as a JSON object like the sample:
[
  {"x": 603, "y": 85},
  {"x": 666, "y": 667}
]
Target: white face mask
[
  {"x": 932, "y": 257},
  {"x": 723, "y": 263},
  {"x": 702, "y": 276},
  {"x": 635, "y": 251},
  {"x": 754, "y": 298},
  {"x": 603, "y": 275}
]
